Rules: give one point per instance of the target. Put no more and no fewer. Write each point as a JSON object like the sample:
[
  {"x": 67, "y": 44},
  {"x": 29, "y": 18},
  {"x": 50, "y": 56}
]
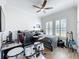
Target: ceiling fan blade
[
  {"x": 38, "y": 11},
  {"x": 49, "y": 8},
  {"x": 44, "y": 3},
  {"x": 36, "y": 6}
]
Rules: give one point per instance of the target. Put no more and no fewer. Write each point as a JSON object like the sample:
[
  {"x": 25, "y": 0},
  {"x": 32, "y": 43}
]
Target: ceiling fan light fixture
[{"x": 42, "y": 8}]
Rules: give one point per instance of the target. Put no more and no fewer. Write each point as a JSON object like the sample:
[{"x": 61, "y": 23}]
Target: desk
[{"x": 6, "y": 48}]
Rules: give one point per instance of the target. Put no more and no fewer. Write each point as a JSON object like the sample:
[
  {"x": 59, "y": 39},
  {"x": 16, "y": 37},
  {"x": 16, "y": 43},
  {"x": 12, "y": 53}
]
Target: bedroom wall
[{"x": 70, "y": 14}]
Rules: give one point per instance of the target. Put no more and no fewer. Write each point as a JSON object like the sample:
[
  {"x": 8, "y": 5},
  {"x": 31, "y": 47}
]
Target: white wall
[
  {"x": 16, "y": 17},
  {"x": 69, "y": 14},
  {"x": 78, "y": 21}
]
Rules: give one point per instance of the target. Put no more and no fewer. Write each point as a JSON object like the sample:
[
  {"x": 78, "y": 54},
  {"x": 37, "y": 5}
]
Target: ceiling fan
[{"x": 42, "y": 7}]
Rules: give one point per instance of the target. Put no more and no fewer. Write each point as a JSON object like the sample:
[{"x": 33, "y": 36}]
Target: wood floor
[{"x": 61, "y": 53}]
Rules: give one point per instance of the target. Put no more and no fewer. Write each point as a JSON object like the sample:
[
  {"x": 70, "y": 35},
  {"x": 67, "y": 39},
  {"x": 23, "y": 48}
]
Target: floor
[{"x": 61, "y": 53}]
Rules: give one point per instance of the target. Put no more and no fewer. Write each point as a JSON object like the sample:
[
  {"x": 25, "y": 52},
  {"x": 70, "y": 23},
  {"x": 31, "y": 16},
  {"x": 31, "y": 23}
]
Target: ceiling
[{"x": 26, "y": 5}]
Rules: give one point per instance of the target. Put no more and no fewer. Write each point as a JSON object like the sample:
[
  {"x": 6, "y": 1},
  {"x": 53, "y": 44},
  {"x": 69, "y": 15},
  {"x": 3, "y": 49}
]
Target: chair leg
[
  {"x": 51, "y": 48},
  {"x": 16, "y": 57}
]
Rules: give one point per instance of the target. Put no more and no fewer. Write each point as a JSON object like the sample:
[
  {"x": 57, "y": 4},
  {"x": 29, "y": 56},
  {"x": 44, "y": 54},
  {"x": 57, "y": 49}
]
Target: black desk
[{"x": 8, "y": 47}]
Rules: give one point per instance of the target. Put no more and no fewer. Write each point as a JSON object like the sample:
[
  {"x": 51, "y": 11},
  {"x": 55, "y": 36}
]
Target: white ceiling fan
[{"x": 42, "y": 7}]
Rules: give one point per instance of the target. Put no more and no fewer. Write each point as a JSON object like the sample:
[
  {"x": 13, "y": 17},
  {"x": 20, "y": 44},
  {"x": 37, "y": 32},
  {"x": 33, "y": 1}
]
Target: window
[
  {"x": 47, "y": 32},
  {"x": 49, "y": 28},
  {"x": 60, "y": 29},
  {"x": 57, "y": 28},
  {"x": 63, "y": 27}
]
